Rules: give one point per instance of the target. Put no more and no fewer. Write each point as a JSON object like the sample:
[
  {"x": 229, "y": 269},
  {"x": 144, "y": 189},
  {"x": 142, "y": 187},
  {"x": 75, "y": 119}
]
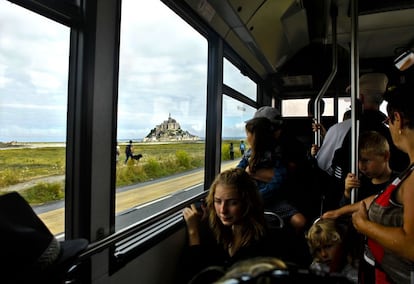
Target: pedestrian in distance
[
  {"x": 129, "y": 151},
  {"x": 242, "y": 147},
  {"x": 231, "y": 148}
]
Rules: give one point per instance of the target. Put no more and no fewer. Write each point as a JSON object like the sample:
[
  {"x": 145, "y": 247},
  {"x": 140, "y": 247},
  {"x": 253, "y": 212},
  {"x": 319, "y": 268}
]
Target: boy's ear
[
  {"x": 398, "y": 121},
  {"x": 387, "y": 155}
]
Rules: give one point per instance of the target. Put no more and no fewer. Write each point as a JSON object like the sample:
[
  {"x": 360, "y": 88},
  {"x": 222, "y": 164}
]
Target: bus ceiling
[{"x": 289, "y": 40}]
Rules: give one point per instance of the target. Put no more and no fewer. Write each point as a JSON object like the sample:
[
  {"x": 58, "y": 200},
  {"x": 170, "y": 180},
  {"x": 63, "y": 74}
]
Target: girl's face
[
  {"x": 372, "y": 165},
  {"x": 227, "y": 204}
]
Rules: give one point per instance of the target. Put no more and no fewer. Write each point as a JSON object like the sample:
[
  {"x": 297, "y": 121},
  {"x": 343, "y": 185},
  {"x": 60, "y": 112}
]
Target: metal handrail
[{"x": 112, "y": 239}]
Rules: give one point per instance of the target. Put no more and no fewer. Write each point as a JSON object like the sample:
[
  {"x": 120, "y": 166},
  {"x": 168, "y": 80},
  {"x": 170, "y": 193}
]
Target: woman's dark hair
[
  {"x": 401, "y": 99},
  {"x": 262, "y": 130}
]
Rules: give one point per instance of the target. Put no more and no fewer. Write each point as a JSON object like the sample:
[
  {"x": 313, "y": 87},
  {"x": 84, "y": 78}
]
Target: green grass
[
  {"x": 44, "y": 192},
  {"x": 23, "y": 164},
  {"x": 159, "y": 160}
]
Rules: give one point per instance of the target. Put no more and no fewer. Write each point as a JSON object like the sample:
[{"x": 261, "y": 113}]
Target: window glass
[
  {"x": 161, "y": 109},
  {"x": 299, "y": 107},
  {"x": 383, "y": 107},
  {"x": 232, "y": 77},
  {"x": 34, "y": 60},
  {"x": 344, "y": 104},
  {"x": 235, "y": 114}
]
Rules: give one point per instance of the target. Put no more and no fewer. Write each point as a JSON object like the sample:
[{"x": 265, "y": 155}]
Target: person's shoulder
[
  {"x": 339, "y": 127},
  {"x": 342, "y": 124}
]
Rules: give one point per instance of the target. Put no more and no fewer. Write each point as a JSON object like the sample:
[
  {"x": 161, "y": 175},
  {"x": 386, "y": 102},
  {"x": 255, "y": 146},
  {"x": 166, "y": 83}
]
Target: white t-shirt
[{"x": 333, "y": 140}]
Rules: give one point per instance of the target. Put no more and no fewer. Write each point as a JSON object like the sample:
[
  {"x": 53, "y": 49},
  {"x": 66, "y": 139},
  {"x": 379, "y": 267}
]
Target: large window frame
[{"x": 92, "y": 112}]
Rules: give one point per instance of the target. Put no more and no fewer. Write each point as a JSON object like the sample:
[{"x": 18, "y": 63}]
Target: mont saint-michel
[{"x": 169, "y": 131}]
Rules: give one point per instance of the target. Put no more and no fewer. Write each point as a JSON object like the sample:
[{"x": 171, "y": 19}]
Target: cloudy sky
[{"x": 158, "y": 78}]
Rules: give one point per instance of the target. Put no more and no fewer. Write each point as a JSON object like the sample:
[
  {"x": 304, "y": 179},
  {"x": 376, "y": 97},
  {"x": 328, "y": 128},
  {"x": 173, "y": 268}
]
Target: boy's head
[
  {"x": 374, "y": 154},
  {"x": 325, "y": 240}
]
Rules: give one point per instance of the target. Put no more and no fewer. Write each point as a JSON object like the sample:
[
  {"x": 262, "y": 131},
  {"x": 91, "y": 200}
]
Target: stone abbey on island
[{"x": 169, "y": 131}]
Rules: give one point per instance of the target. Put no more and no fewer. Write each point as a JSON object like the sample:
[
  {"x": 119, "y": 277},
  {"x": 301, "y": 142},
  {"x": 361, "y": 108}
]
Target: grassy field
[{"x": 22, "y": 164}]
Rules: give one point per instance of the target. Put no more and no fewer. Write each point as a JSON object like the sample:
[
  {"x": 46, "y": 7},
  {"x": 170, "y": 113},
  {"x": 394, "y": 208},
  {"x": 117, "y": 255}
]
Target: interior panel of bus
[{"x": 121, "y": 70}]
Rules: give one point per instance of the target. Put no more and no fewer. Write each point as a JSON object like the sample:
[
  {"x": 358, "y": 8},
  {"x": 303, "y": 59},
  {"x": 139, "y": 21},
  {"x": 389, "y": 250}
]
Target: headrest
[{"x": 26, "y": 244}]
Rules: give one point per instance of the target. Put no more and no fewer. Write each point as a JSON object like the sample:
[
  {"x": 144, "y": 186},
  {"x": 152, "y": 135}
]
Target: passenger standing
[
  {"x": 231, "y": 151},
  {"x": 242, "y": 147},
  {"x": 372, "y": 89},
  {"x": 376, "y": 174},
  {"x": 235, "y": 224},
  {"x": 387, "y": 219},
  {"x": 129, "y": 151},
  {"x": 334, "y": 156}
]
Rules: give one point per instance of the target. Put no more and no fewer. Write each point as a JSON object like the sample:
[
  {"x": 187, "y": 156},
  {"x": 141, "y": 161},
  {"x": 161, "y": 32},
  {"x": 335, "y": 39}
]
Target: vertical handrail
[
  {"x": 317, "y": 105},
  {"x": 354, "y": 94}
]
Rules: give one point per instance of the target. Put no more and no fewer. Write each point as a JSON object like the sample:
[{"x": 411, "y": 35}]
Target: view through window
[
  {"x": 34, "y": 59},
  {"x": 161, "y": 110}
]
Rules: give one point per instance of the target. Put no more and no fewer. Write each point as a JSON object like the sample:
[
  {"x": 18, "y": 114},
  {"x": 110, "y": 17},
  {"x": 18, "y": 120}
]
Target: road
[{"x": 134, "y": 196}]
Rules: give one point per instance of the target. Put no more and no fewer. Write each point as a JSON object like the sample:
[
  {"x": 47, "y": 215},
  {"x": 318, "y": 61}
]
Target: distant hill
[{"x": 169, "y": 130}]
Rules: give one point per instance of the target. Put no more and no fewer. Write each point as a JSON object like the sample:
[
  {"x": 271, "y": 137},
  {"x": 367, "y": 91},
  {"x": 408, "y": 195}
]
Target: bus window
[
  {"x": 344, "y": 104},
  {"x": 34, "y": 54},
  {"x": 235, "y": 114},
  {"x": 299, "y": 107},
  {"x": 232, "y": 77},
  {"x": 161, "y": 109}
]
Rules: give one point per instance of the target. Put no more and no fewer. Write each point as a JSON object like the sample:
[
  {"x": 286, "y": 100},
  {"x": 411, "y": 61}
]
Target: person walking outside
[
  {"x": 128, "y": 151},
  {"x": 231, "y": 151},
  {"x": 242, "y": 147}
]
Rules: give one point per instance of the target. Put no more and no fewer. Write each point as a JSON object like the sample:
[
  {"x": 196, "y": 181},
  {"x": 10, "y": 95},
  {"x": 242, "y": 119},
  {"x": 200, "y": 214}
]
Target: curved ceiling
[{"x": 269, "y": 33}]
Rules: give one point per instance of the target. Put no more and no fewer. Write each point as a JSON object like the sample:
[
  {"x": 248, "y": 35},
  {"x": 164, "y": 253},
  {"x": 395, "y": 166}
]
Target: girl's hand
[{"x": 191, "y": 217}]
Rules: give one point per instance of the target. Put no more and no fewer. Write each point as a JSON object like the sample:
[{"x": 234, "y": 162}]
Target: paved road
[{"x": 134, "y": 196}]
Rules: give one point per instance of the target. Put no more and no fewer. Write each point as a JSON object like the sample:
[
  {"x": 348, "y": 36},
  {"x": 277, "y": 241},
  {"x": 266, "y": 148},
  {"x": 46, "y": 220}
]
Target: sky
[{"x": 157, "y": 78}]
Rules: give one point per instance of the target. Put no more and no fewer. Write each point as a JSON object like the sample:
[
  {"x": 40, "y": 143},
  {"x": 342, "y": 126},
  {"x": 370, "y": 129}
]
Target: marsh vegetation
[{"x": 23, "y": 164}]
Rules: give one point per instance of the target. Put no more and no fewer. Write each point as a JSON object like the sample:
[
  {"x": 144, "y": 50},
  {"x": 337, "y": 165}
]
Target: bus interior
[{"x": 293, "y": 50}]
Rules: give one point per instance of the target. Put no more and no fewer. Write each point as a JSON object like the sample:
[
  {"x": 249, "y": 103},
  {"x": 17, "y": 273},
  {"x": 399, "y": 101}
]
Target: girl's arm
[
  {"x": 191, "y": 217},
  {"x": 273, "y": 187},
  {"x": 244, "y": 162}
]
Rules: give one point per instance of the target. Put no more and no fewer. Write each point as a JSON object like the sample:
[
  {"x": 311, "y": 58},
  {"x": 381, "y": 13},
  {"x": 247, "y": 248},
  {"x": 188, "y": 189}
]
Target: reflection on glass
[
  {"x": 161, "y": 109},
  {"x": 232, "y": 77},
  {"x": 33, "y": 107}
]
